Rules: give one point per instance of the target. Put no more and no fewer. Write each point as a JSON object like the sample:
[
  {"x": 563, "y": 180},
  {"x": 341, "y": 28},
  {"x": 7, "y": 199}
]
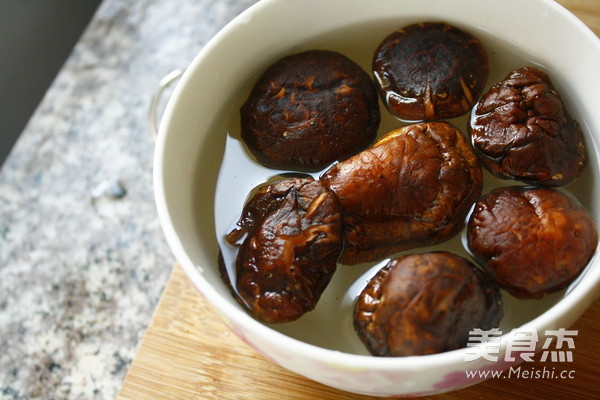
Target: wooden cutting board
[{"x": 188, "y": 353}]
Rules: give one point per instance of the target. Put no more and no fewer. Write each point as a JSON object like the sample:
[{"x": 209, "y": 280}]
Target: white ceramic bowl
[{"x": 190, "y": 164}]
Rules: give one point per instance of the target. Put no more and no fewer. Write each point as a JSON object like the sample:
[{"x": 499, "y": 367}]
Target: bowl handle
[{"x": 164, "y": 83}]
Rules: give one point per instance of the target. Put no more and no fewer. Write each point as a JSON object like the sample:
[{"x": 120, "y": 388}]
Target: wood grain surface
[
  {"x": 588, "y": 11},
  {"x": 188, "y": 353}
]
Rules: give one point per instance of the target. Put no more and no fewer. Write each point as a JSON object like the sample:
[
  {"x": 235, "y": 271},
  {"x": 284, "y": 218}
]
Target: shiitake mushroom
[
  {"x": 308, "y": 110},
  {"x": 424, "y": 304},
  {"x": 430, "y": 71},
  {"x": 291, "y": 238},
  {"x": 412, "y": 188},
  {"x": 522, "y": 130},
  {"x": 533, "y": 241}
]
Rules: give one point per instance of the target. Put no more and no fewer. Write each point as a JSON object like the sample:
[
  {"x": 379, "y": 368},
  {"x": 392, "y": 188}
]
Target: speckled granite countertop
[{"x": 80, "y": 276}]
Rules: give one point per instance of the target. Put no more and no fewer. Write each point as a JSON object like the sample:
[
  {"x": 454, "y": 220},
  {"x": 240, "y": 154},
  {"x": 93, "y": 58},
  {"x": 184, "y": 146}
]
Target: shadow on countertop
[{"x": 36, "y": 37}]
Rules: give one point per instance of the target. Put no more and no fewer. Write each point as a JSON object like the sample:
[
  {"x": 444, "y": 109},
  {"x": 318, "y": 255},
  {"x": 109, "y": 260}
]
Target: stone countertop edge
[{"x": 83, "y": 260}]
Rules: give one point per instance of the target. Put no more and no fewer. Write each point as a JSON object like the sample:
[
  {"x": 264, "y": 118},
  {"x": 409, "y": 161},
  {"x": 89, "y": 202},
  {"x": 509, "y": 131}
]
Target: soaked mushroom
[
  {"x": 532, "y": 241},
  {"x": 412, "y": 188},
  {"x": 291, "y": 240},
  {"x": 430, "y": 71},
  {"x": 523, "y": 131},
  {"x": 310, "y": 109},
  {"x": 424, "y": 304}
]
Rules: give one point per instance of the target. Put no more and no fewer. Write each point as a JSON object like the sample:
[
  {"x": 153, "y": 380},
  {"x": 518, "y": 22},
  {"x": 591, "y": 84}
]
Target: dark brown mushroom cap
[
  {"x": 412, "y": 188},
  {"x": 309, "y": 110},
  {"x": 424, "y": 304},
  {"x": 292, "y": 238},
  {"x": 430, "y": 71},
  {"x": 522, "y": 131},
  {"x": 532, "y": 241}
]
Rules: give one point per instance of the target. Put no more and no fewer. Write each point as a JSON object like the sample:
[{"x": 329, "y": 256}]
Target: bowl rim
[{"x": 583, "y": 293}]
